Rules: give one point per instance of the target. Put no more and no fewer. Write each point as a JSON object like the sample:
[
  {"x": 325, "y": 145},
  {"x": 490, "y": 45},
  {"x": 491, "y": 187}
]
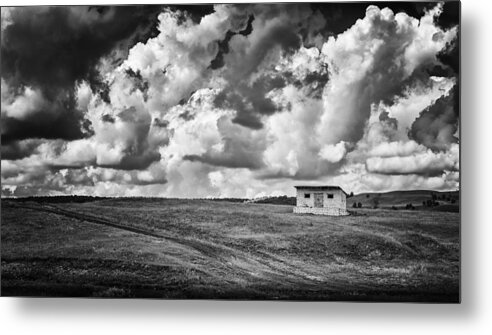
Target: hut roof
[{"x": 321, "y": 187}]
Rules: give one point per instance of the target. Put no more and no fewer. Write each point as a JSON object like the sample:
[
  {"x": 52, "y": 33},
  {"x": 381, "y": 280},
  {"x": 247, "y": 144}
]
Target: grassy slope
[
  {"x": 401, "y": 198},
  {"x": 206, "y": 249}
]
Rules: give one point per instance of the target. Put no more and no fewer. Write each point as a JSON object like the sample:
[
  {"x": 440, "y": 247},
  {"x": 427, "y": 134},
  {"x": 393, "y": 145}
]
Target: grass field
[{"x": 165, "y": 248}]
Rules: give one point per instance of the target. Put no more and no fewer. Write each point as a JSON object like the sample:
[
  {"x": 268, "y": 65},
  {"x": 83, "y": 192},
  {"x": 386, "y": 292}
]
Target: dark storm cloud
[
  {"x": 250, "y": 102},
  {"x": 51, "y": 49},
  {"x": 437, "y": 124},
  {"x": 135, "y": 161},
  {"x": 19, "y": 149},
  {"x": 58, "y": 120},
  {"x": 223, "y": 45}
]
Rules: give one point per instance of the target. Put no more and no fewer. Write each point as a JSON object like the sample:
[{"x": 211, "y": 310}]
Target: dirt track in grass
[{"x": 170, "y": 248}]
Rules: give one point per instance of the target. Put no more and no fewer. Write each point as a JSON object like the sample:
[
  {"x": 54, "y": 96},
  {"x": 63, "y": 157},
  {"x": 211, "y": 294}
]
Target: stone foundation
[{"x": 334, "y": 211}]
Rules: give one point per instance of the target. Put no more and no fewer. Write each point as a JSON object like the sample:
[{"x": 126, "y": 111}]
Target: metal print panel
[{"x": 254, "y": 151}]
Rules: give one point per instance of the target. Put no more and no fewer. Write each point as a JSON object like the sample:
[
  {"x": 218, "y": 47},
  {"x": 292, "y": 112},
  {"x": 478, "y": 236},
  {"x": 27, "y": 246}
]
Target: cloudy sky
[{"x": 229, "y": 100}]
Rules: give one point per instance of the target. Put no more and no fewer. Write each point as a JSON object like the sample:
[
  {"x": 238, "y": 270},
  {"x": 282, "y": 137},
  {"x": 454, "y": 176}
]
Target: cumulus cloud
[
  {"x": 370, "y": 62},
  {"x": 334, "y": 153},
  {"x": 293, "y": 149},
  {"x": 229, "y": 100}
]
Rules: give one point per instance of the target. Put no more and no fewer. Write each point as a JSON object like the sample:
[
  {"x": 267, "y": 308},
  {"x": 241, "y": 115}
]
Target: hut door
[{"x": 318, "y": 199}]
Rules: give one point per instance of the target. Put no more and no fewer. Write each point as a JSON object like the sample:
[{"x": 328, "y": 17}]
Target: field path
[{"x": 90, "y": 218}]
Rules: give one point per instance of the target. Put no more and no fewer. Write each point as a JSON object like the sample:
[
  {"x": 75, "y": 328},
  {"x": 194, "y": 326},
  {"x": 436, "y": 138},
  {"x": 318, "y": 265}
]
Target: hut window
[
  {"x": 330, "y": 196},
  {"x": 307, "y": 195}
]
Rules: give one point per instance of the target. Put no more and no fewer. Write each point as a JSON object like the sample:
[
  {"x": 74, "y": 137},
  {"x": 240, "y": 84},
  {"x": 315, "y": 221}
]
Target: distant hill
[
  {"x": 419, "y": 199},
  {"x": 422, "y": 199}
]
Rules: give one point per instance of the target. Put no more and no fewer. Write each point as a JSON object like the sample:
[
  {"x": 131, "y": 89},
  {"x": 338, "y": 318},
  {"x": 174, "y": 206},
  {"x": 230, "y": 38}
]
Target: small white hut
[{"x": 321, "y": 200}]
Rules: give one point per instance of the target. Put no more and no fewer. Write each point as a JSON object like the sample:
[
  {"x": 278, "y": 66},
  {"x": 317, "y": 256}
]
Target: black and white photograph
[{"x": 253, "y": 151}]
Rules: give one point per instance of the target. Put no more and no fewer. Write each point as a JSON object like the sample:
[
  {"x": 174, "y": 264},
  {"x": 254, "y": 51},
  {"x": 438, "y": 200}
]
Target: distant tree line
[
  {"x": 281, "y": 200},
  {"x": 434, "y": 197},
  {"x": 227, "y": 199},
  {"x": 59, "y": 199}
]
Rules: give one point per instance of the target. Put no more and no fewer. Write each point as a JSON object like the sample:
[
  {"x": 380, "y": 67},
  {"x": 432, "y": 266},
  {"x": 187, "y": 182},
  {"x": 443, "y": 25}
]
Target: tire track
[{"x": 94, "y": 219}]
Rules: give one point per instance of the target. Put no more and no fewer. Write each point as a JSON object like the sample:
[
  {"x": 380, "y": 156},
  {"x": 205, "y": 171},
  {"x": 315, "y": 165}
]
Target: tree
[
  {"x": 351, "y": 194},
  {"x": 375, "y": 202},
  {"x": 354, "y": 205},
  {"x": 359, "y": 205}
]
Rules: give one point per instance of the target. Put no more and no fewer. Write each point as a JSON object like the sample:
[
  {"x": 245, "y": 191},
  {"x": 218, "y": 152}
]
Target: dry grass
[{"x": 206, "y": 249}]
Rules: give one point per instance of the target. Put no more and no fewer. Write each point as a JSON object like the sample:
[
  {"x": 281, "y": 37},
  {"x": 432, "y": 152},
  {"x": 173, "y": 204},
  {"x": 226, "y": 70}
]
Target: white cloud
[
  {"x": 175, "y": 61},
  {"x": 23, "y": 105},
  {"x": 400, "y": 149},
  {"x": 334, "y": 153},
  {"x": 370, "y": 62},
  {"x": 425, "y": 163}
]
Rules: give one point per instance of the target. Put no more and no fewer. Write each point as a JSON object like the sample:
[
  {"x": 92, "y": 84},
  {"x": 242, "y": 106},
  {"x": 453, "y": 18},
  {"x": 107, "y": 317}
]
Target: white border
[{"x": 473, "y": 316}]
